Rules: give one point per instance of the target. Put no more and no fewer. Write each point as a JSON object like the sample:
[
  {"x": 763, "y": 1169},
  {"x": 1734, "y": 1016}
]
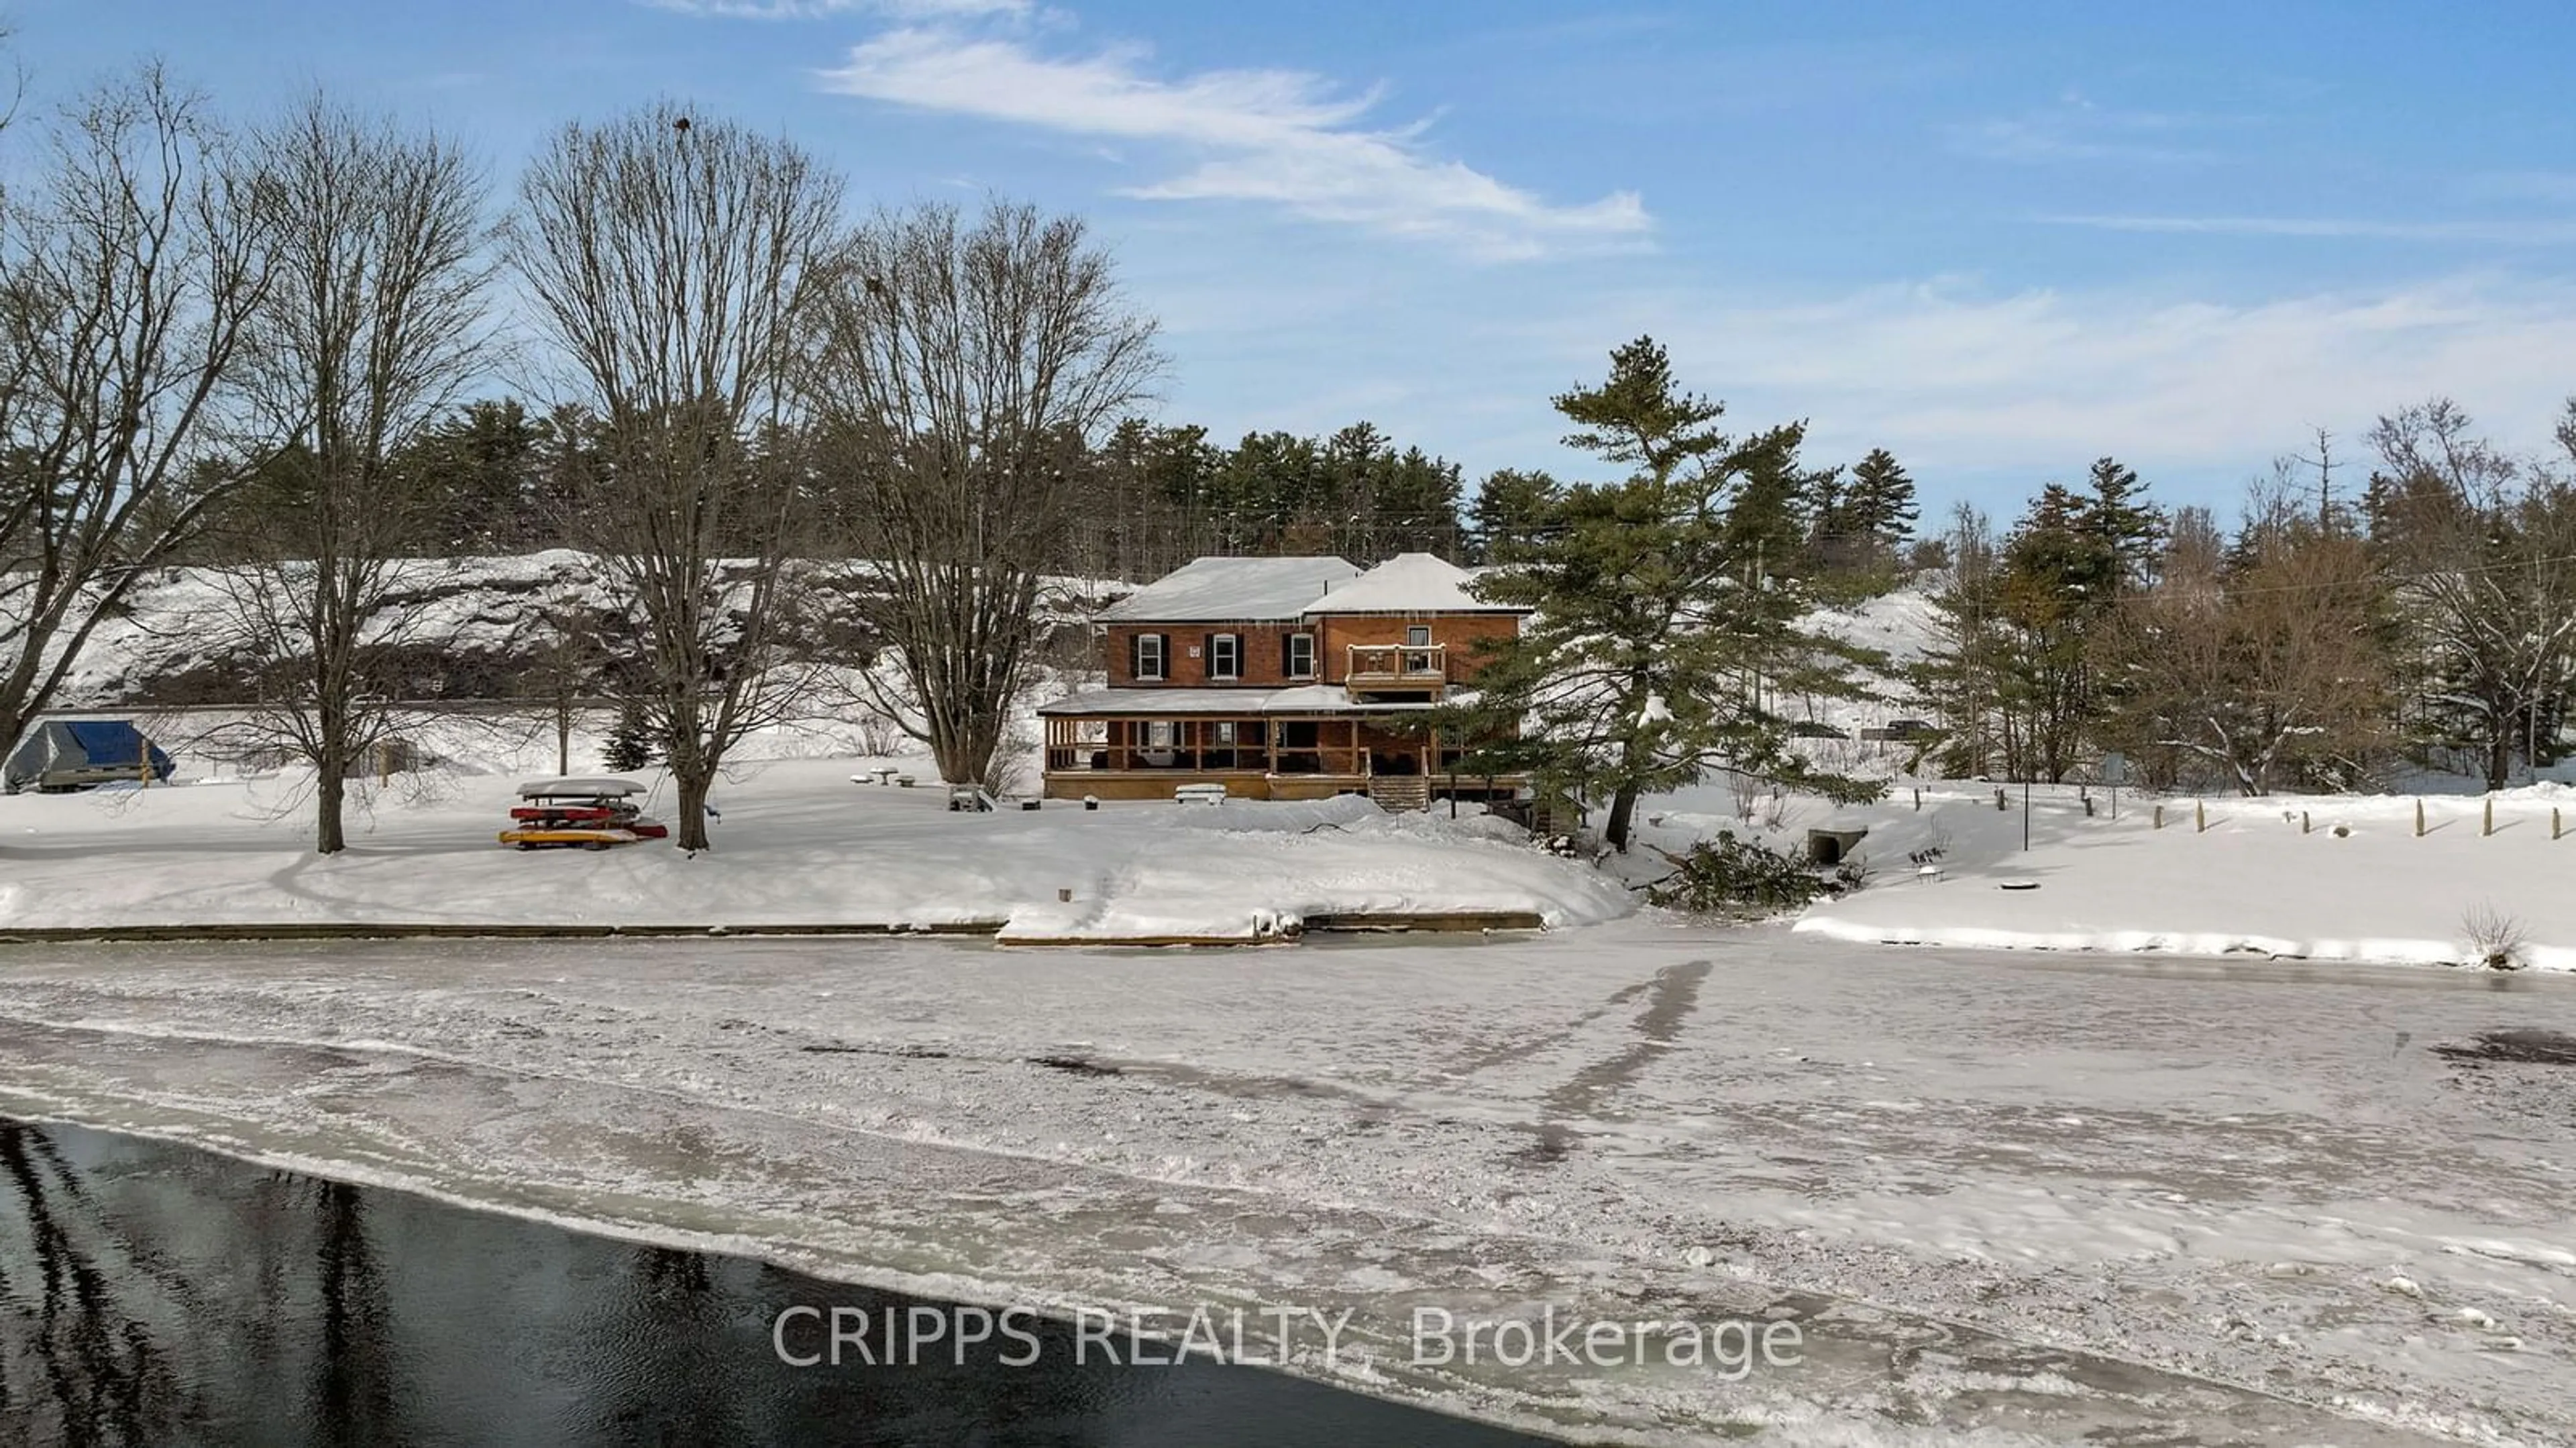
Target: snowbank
[
  {"x": 2316, "y": 878},
  {"x": 797, "y": 843}
]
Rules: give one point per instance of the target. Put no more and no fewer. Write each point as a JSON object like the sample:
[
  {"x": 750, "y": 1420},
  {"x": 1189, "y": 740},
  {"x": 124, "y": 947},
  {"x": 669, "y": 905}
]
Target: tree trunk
[
  {"x": 330, "y": 790},
  {"x": 563, "y": 737},
  {"x": 1623, "y": 809},
  {"x": 2499, "y": 757},
  {"x": 956, "y": 758},
  {"x": 691, "y": 826}
]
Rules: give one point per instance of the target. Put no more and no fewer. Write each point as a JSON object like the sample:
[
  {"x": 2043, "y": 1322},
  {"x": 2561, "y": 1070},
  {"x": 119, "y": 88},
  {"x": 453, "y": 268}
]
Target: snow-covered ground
[
  {"x": 2317, "y": 878},
  {"x": 2009, "y": 1198},
  {"x": 797, "y": 843}
]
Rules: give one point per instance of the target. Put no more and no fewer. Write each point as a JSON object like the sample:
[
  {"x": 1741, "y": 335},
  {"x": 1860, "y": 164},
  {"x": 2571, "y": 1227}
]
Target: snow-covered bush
[
  {"x": 2495, "y": 937},
  {"x": 879, "y": 734}
]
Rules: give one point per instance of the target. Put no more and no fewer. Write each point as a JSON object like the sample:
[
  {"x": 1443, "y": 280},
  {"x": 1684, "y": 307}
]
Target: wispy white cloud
[
  {"x": 1285, "y": 138},
  {"x": 2045, "y": 378},
  {"x": 2508, "y": 232},
  {"x": 2540, "y": 186},
  {"x": 814, "y": 9},
  {"x": 1986, "y": 388},
  {"x": 2079, "y": 129}
]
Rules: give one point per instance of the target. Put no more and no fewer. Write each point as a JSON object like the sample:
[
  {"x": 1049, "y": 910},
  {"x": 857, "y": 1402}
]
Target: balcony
[{"x": 1398, "y": 666}]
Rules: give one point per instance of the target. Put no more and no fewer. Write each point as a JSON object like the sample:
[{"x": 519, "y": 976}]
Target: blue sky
[{"x": 2000, "y": 240}]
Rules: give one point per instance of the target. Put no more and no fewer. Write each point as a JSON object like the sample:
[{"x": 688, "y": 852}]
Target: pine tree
[
  {"x": 1513, "y": 511},
  {"x": 1656, "y": 631},
  {"x": 1959, "y": 675},
  {"x": 2116, "y": 515},
  {"x": 1879, "y": 505},
  {"x": 630, "y": 744}
]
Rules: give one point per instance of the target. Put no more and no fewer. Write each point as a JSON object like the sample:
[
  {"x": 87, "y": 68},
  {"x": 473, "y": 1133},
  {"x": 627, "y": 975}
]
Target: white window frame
[
  {"x": 1307, "y": 670},
  {"x": 1150, "y": 663},
  {"x": 1225, "y": 656},
  {"x": 1417, "y": 636}
]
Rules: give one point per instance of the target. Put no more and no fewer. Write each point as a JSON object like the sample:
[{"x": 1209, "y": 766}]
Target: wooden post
[
  {"x": 2199, "y": 816},
  {"x": 1918, "y": 799},
  {"x": 2553, "y": 821},
  {"x": 2487, "y": 825},
  {"x": 1999, "y": 799},
  {"x": 2419, "y": 819},
  {"x": 2160, "y": 816},
  {"x": 2303, "y": 822}
]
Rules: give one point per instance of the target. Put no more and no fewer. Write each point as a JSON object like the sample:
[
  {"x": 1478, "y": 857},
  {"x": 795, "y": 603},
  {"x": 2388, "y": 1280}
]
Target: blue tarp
[
  {"x": 113, "y": 741},
  {"x": 67, "y": 753}
]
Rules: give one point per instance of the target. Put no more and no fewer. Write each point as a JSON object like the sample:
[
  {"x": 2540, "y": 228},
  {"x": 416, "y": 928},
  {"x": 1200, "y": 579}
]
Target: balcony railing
[{"x": 1383, "y": 664}]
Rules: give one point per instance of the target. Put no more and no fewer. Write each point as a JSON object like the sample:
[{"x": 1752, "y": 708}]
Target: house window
[
  {"x": 1149, "y": 656},
  {"x": 1417, "y": 636},
  {"x": 1301, "y": 656},
  {"x": 1225, "y": 656},
  {"x": 1225, "y": 732}
]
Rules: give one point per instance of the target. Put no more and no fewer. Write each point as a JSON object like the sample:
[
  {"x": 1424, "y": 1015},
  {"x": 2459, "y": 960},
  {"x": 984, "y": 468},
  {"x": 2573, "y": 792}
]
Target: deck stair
[{"x": 1400, "y": 791}]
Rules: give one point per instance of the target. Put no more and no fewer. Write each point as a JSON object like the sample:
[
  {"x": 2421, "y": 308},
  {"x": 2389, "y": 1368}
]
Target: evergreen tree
[
  {"x": 1655, "y": 632},
  {"x": 1514, "y": 510},
  {"x": 630, "y": 744},
  {"x": 2061, "y": 574},
  {"x": 1959, "y": 675},
  {"x": 1879, "y": 504},
  {"x": 1416, "y": 507},
  {"x": 479, "y": 467},
  {"x": 2116, "y": 515},
  {"x": 1828, "y": 521}
]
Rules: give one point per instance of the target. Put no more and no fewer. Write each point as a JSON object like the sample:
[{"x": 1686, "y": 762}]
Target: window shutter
[
  {"x": 1163, "y": 646},
  {"x": 1207, "y": 656},
  {"x": 1287, "y": 656},
  {"x": 1135, "y": 656}
]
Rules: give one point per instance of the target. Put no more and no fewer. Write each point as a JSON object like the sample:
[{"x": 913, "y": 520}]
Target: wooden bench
[{"x": 1199, "y": 794}]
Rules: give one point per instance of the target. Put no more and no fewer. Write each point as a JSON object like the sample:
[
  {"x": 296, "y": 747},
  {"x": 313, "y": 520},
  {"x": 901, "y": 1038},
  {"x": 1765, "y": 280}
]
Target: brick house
[{"x": 1280, "y": 678}]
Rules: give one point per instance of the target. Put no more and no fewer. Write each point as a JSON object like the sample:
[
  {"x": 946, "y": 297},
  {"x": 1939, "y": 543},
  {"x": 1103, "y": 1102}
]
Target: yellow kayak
[{"x": 597, "y": 839}]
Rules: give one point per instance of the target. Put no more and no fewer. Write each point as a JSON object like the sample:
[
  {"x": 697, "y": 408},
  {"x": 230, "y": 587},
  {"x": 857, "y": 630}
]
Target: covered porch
[{"x": 1256, "y": 756}]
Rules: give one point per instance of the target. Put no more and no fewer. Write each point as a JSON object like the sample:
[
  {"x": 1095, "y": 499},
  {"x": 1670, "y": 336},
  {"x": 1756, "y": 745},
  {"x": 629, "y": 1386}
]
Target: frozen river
[
  {"x": 2022, "y": 1198},
  {"x": 153, "y": 1295}
]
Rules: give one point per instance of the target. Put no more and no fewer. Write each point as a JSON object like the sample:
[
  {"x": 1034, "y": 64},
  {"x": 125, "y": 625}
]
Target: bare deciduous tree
[
  {"x": 2266, "y": 666},
  {"x": 373, "y": 325},
  {"x": 2487, "y": 548},
  {"x": 128, "y": 271},
  {"x": 668, "y": 257},
  {"x": 964, "y": 367}
]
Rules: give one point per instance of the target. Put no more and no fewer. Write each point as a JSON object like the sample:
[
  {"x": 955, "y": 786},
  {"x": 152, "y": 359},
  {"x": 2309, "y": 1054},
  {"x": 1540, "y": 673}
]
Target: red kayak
[{"x": 569, "y": 812}]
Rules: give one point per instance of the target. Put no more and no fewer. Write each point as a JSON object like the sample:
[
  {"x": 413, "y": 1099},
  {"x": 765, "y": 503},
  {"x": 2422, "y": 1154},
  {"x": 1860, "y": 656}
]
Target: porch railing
[{"x": 1398, "y": 663}]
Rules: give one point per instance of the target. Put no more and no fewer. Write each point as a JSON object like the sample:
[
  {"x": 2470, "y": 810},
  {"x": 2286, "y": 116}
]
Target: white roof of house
[
  {"x": 1408, "y": 583},
  {"x": 1215, "y": 590}
]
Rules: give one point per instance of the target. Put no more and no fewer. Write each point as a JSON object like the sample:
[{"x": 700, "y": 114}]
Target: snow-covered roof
[
  {"x": 1299, "y": 699},
  {"x": 580, "y": 787},
  {"x": 1215, "y": 590},
  {"x": 1408, "y": 583}
]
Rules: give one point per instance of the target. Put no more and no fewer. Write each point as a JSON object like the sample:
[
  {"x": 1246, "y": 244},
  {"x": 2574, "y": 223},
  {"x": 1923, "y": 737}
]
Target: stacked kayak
[{"x": 591, "y": 814}]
